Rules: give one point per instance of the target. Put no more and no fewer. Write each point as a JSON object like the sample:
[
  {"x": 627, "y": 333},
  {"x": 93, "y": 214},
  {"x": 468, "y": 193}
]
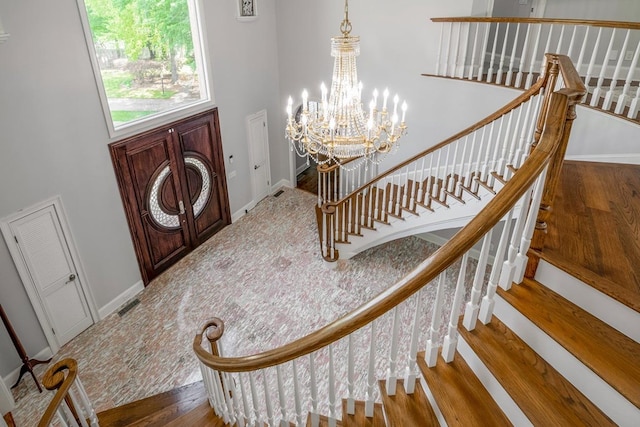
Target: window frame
[{"x": 198, "y": 30}]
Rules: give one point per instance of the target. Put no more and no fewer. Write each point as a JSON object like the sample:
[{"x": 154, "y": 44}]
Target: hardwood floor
[
  {"x": 308, "y": 180},
  {"x": 594, "y": 230}
]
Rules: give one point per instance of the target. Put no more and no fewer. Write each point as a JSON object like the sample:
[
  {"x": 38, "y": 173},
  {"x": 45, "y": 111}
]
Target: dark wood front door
[{"x": 173, "y": 186}]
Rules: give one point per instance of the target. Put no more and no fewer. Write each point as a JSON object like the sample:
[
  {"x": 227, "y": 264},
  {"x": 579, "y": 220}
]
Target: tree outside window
[{"x": 145, "y": 53}]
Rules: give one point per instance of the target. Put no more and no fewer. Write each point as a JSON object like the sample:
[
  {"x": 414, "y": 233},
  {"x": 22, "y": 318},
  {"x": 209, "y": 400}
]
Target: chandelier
[{"x": 337, "y": 127}]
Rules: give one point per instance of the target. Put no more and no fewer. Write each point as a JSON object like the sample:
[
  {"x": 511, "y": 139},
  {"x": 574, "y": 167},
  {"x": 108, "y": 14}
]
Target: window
[{"x": 148, "y": 58}]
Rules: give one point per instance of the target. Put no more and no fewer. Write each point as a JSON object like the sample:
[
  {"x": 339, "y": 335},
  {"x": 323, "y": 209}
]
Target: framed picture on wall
[{"x": 247, "y": 10}]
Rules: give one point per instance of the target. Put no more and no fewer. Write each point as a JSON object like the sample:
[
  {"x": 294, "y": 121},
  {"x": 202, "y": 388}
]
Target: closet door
[
  {"x": 204, "y": 177},
  {"x": 147, "y": 169}
]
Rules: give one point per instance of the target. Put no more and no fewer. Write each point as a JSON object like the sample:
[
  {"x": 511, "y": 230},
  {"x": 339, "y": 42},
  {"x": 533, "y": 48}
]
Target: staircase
[{"x": 521, "y": 354}]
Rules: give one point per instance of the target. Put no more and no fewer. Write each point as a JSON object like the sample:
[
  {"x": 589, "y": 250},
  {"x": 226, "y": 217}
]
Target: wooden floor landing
[{"x": 594, "y": 231}]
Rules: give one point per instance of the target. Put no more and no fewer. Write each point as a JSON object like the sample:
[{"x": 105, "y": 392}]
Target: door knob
[
  {"x": 255, "y": 167},
  {"x": 72, "y": 277}
]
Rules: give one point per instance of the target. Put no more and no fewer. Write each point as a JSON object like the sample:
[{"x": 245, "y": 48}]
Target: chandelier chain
[{"x": 345, "y": 26}]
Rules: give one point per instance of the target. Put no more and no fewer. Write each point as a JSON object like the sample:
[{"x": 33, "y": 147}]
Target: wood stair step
[
  {"x": 201, "y": 416},
  {"x": 324, "y": 421},
  {"x": 460, "y": 395},
  {"x": 609, "y": 353},
  {"x": 407, "y": 410},
  {"x": 156, "y": 410},
  {"x": 359, "y": 419},
  {"x": 543, "y": 395}
]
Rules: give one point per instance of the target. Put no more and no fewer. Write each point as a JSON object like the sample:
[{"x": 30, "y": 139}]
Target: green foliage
[
  {"x": 119, "y": 84},
  {"x": 162, "y": 26},
  {"x": 127, "y": 116}
]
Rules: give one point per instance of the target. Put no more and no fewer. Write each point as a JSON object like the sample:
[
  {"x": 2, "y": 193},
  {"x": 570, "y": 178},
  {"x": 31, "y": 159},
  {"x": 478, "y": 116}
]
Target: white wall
[
  {"x": 614, "y": 10},
  {"x": 53, "y": 138}
]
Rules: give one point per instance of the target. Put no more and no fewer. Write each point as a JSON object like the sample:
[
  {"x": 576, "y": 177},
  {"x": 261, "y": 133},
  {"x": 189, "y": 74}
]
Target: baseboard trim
[
  {"x": 242, "y": 211},
  {"x": 125, "y": 296},
  {"x": 302, "y": 168},
  {"x": 12, "y": 377},
  {"x": 282, "y": 183},
  {"x": 629, "y": 159}
]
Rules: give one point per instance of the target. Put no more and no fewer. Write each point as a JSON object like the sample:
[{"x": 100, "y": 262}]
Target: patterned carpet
[{"x": 263, "y": 275}]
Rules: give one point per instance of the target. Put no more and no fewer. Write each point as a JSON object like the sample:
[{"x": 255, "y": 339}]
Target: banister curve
[
  {"x": 54, "y": 379},
  {"x": 429, "y": 269}
]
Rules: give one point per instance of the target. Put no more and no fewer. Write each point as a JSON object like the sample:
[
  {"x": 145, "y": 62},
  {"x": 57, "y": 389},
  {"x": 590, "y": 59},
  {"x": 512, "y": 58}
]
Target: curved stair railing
[
  {"x": 70, "y": 405},
  {"x": 510, "y": 51},
  {"x": 340, "y": 364},
  {"x": 464, "y": 171}
]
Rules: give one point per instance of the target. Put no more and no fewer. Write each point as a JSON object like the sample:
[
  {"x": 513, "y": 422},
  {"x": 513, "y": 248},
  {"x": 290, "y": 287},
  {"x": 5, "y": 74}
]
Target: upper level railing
[
  {"x": 510, "y": 52},
  {"x": 70, "y": 405},
  {"x": 382, "y": 338}
]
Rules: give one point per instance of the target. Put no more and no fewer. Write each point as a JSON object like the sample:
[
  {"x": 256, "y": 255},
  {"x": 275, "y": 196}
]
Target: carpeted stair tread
[
  {"x": 542, "y": 394},
  {"x": 460, "y": 395},
  {"x": 610, "y": 354},
  {"x": 407, "y": 410}
]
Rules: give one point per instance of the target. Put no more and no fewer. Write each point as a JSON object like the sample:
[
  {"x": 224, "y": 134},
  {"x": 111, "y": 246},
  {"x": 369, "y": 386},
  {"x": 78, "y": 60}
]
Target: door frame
[
  {"x": 249, "y": 118},
  {"x": 25, "y": 275}
]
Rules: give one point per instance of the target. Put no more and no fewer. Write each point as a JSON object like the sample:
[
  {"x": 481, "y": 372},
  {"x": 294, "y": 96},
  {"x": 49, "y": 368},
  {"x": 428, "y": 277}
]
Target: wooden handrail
[
  {"x": 587, "y": 22},
  {"x": 329, "y": 207},
  {"x": 55, "y": 379},
  {"x": 550, "y": 141}
]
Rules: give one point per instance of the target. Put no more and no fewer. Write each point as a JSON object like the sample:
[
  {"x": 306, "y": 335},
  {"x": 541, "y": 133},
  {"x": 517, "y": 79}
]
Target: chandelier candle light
[{"x": 337, "y": 128}]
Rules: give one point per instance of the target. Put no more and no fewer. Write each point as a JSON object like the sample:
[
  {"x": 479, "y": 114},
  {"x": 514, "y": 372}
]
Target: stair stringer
[
  {"x": 610, "y": 401},
  {"x": 457, "y": 215}
]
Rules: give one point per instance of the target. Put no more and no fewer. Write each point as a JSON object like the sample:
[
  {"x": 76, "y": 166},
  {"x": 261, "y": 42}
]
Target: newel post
[
  {"x": 213, "y": 330},
  {"x": 549, "y": 191}
]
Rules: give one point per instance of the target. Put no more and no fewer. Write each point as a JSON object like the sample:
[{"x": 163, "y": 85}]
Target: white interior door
[
  {"x": 43, "y": 255},
  {"x": 259, "y": 154}
]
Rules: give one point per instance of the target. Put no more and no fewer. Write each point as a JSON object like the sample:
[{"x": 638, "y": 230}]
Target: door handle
[
  {"x": 72, "y": 277},
  {"x": 255, "y": 167},
  {"x": 181, "y": 205}
]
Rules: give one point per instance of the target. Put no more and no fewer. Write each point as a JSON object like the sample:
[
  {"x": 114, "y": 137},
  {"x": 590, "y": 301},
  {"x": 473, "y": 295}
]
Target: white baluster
[
  {"x": 315, "y": 417},
  {"x": 267, "y": 399},
  {"x": 473, "y": 306},
  {"x": 78, "y": 406},
  {"x": 351, "y": 401},
  {"x": 597, "y": 92},
  {"x": 296, "y": 393},
  {"x": 583, "y": 49},
  {"x": 436, "y": 176},
  {"x": 431, "y": 353},
  {"x": 469, "y": 175},
  {"x": 455, "y": 67},
  {"x": 624, "y": 96},
  {"x": 503, "y": 54},
  {"x": 371, "y": 374},
  {"x": 560, "y": 40},
  {"x": 245, "y": 401},
  {"x": 451, "y": 339},
  {"x": 472, "y": 66},
  {"x": 513, "y": 140},
  {"x": 513, "y": 56},
  {"x": 281, "y": 397},
  {"x": 486, "y": 308},
  {"x": 509, "y": 267},
  {"x": 635, "y": 105},
  {"x": 448, "y": 51},
  {"x": 461, "y": 177},
  {"x": 212, "y": 390},
  {"x": 592, "y": 62},
  {"x": 496, "y": 149},
  {"x": 225, "y": 401},
  {"x": 437, "y": 73},
  {"x": 522, "y": 140},
  {"x": 534, "y": 54},
  {"x": 62, "y": 418},
  {"x": 523, "y": 56},
  {"x": 452, "y": 168},
  {"x": 483, "y": 52},
  {"x": 411, "y": 371},
  {"x": 236, "y": 401},
  {"x": 473, "y": 185},
  {"x": 608, "y": 99},
  {"x": 257, "y": 419},
  {"x": 67, "y": 416},
  {"x": 493, "y": 54},
  {"x": 392, "y": 375},
  {"x": 522, "y": 258},
  {"x": 90, "y": 413},
  {"x": 485, "y": 165},
  {"x": 572, "y": 42},
  {"x": 332, "y": 389},
  {"x": 505, "y": 145}
]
